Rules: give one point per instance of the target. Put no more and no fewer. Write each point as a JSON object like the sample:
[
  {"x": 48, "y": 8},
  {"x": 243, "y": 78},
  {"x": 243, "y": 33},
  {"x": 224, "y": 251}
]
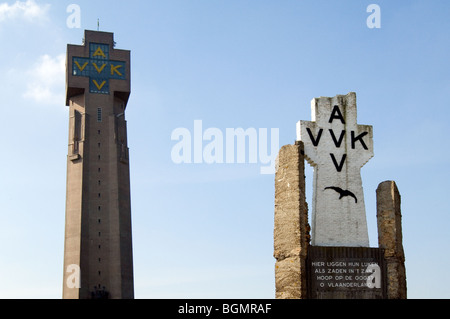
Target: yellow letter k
[{"x": 114, "y": 69}]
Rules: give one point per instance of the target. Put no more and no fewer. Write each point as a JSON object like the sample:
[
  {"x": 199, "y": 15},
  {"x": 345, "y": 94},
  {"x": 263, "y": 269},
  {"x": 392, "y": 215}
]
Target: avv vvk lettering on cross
[
  {"x": 337, "y": 147},
  {"x": 99, "y": 68}
]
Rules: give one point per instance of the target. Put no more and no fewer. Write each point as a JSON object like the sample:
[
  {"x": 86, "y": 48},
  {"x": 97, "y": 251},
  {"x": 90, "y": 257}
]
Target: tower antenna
[{"x": 98, "y": 24}]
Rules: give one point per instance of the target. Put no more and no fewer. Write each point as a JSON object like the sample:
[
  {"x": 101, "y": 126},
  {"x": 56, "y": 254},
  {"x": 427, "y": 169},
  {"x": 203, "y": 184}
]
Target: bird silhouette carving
[{"x": 342, "y": 193}]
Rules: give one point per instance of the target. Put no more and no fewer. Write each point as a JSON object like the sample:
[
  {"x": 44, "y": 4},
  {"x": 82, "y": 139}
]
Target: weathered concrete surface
[
  {"x": 291, "y": 231},
  {"x": 389, "y": 220}
]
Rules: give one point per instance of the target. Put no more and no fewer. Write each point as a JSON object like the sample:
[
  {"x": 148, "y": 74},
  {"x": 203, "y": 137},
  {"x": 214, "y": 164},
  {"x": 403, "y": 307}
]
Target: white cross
[{"x": 337, "y": 147}]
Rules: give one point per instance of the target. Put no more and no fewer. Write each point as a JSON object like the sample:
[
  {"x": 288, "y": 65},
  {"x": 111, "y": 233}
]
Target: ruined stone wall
[
  {"x": 291, "y": 231},
  {"x": 389, "y": 220}
]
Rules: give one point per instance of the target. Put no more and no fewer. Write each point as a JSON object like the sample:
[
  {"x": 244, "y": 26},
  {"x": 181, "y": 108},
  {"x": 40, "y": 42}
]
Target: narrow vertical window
[
  {"x": 76, "y": 131},
  {"x": 99, "y": 114}
]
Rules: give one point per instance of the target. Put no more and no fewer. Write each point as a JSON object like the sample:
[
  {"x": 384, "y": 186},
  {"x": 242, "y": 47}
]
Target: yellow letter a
[{"x": 99, "y": 52}]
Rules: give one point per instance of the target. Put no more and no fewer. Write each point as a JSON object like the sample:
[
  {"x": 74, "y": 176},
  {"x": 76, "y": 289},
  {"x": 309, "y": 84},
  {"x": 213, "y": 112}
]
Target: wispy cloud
[
  {"x": 46, "y": 80},
  {"x": 28, "y": 10}
]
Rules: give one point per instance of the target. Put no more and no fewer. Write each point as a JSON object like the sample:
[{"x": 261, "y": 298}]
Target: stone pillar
[
  {"x": 389, "y": 221},
  {"x": 291, "y": 231}
]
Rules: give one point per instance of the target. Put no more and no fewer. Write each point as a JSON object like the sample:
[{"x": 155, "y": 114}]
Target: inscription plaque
[{"x": 346, "y": 272}]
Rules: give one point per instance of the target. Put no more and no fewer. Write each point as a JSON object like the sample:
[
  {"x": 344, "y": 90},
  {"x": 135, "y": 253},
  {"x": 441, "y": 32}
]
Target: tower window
[{"x": 99, "y": 114}]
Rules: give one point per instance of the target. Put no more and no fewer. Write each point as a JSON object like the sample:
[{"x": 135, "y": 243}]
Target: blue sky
[{"x": 206, "y": 230}]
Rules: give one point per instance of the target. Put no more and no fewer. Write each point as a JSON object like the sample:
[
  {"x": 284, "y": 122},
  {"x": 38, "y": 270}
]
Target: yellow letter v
[
  {"x": 81, "y": 67},
  {"x": 99, "y": 69},
  {"x": 99, "y": 86}
]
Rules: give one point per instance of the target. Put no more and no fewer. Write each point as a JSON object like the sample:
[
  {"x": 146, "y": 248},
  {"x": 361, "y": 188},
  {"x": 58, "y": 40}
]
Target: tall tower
[{"x": 98, "y": 260}]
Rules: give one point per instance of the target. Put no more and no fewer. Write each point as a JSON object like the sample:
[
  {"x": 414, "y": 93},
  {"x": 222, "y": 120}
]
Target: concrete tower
[{"x": 98, "y": 260}]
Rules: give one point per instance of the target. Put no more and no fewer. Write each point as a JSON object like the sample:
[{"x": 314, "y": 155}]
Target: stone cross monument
[
  {"x": 337, "y": 147},
  {"x": 332, "y": 259}
]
